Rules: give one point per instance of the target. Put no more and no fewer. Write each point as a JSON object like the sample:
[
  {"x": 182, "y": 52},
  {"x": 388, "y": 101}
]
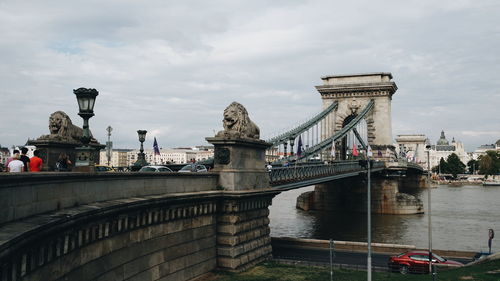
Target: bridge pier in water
[{"x": 350, "y": 194}]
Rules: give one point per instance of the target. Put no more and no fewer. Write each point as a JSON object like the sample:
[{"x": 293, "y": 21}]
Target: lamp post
[
  {"x": 428, "y": 147},
  {"x": 141, "y": 157},
  {"x": 109, "y": 144},
  {"x": 369, "y": 217},
  {"x": 85, "y": 154}
]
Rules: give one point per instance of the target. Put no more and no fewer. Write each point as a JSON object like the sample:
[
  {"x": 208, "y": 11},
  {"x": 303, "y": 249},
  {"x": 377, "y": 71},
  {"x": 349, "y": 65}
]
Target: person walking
[
  {"x": 16, "y": 165},
  {"x": 25, "y": 159},
  {"x": 62, "y": 164},
  {"x": 36, "y": 162}
]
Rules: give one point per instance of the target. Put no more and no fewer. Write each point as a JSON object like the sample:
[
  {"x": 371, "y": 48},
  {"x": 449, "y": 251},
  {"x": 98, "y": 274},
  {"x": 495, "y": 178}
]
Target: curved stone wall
[
  {"x": 138, "y": 240},
  {"x": 26, "y": 194}
]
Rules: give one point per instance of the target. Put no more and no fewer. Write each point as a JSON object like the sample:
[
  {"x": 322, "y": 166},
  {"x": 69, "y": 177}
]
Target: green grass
[{"x": 271, "y": 271}]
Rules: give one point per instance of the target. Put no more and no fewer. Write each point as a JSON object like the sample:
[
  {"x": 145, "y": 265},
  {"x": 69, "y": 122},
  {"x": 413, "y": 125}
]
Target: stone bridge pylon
[{"x": 352, "y": 93}]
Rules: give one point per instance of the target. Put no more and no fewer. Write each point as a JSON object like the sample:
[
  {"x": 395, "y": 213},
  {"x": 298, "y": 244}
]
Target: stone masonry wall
[
  {"x": 350, "y": 194},
  {"x": 243, "y": 233},
  {"x": 163, "y": 242},
  {"x": 24, "y": 195}
]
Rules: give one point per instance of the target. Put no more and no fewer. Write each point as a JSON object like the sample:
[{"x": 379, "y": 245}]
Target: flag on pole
[
  {"x": 300, "y": 148},
  {"x": 155, "y": 148},
  {"x": 333, "y": 150},
  {"x": 370, "y": 152},
  {"x": 354, "y": 150}
]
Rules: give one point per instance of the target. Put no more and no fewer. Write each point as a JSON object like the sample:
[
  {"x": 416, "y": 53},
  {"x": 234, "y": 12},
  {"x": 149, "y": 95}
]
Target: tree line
[{"x": 487, "y": 164}]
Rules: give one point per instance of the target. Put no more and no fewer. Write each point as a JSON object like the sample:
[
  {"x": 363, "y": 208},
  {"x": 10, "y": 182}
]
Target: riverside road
[{"x": 289, "y": 251}]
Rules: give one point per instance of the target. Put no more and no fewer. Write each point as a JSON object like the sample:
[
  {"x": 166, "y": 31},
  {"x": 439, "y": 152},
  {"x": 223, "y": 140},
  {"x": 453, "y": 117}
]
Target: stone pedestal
[
  {"x": 243, "y": 238},
  {"x": 240, "y": 163},
  {"x": 51, "y": 149},
  {"x": 243, "y": 234}
]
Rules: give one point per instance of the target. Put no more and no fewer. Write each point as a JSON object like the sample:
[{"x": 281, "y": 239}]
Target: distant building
[
  {"x": 172, "y": 156},
  {"x": 413, "y": 149},
  {"x": 443, "y": 149},
  {"x": 118, "y": 157},
  {"x": 485, "y": 147}
]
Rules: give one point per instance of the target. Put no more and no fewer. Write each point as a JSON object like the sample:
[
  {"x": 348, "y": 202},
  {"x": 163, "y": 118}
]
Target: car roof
[
  {"x": 417, "y": 252},
  {"x": 155, "y": 166}
]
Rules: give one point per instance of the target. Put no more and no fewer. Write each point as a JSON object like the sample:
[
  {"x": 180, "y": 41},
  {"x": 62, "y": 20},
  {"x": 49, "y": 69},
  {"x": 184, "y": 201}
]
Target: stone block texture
[
  {"x": 243, "y": 233},
  {"x": 169, "y": 242}
]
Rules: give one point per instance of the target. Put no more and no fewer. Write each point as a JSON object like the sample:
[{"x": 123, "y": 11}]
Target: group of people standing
[{"x": 20, "y": 162}]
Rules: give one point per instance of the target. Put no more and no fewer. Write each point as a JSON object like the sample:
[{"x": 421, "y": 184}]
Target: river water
[{"x": 461, "y": 217}]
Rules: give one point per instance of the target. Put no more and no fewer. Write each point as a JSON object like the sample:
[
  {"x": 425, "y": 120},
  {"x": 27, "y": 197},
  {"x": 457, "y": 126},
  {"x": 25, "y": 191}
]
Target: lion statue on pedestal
[
  {"x": 237, "y": 124},
  {"x": 61, "y": 128}
]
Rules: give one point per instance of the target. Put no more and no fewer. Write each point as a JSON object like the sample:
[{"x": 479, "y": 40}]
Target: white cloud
[{"x": 172, "y": 67}]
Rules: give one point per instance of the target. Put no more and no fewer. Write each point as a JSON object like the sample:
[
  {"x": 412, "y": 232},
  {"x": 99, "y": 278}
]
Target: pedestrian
[
  {"x": 63, "y": 163},
  {"x": 16, "y": 165},
  {"x": 14, "y": 153},
  {"x": 36, "y": 162},
  {"x": 25, "y": 159},
  {"x": 269, "y": 166}
]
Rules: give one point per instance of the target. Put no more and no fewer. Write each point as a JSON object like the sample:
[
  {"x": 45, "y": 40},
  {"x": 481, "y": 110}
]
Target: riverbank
[{"x": 268, "y": 271}]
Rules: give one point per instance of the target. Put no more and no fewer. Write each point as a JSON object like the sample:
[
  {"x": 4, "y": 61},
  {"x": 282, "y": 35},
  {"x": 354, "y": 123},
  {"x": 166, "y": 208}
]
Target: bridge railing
[{"x": 280, "y": 175}]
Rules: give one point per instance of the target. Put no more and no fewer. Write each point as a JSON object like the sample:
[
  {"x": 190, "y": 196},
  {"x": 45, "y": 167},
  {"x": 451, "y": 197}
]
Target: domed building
[{"x": 443, "y": 149}]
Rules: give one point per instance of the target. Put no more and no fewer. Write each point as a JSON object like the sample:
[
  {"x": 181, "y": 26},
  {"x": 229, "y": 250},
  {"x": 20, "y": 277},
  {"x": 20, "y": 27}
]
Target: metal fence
[{"x": 297, "y": 173}]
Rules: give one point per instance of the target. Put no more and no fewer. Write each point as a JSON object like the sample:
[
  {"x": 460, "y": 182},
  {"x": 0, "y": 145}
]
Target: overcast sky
[{"x": 171, "y": 67}]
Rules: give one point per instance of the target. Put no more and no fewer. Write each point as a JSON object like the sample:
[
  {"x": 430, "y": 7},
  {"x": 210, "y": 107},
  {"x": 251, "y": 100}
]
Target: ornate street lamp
[
  {"x": 141, "y": 157},
  {"x": 86, "y": 101},
  {"x": 85, "y": 154}
]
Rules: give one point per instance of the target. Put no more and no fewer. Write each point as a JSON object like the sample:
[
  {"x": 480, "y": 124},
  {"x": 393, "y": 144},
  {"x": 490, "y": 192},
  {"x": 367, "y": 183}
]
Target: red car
[{"x": 418, "y": 262}]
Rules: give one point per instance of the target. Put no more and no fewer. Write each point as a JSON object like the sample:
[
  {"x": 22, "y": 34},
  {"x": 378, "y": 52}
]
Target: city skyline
[{"x": 172, "y": 69}]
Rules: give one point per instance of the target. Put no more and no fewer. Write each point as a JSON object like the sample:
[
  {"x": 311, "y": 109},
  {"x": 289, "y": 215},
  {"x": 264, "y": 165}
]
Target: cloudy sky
[{"x": 171, "y": 67}]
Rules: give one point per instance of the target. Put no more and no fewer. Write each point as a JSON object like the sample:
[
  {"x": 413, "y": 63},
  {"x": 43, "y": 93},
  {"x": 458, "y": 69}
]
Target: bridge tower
[{"x": 353, "y": 92}]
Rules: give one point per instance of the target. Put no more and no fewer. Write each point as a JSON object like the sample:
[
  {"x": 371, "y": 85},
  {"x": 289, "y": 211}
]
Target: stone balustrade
[{"x": 27, "y": 194}]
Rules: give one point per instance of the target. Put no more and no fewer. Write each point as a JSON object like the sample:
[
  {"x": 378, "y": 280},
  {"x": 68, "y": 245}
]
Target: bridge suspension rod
[
  {"x": 303, "y": 127},
  {"x": 340, "y": 134}
]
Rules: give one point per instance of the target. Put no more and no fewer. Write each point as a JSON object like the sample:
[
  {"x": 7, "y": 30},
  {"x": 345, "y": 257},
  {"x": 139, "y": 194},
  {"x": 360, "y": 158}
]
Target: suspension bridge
[{"x": 352, "y": 131}]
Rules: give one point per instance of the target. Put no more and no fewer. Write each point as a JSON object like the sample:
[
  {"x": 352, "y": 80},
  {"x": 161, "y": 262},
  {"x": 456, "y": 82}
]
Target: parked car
[
  {"x": 193, "y": 168},
  {"x": 103, "y": 168},
  {"x": 418, "y": 262},
  {"x": 152, "y": 168}
]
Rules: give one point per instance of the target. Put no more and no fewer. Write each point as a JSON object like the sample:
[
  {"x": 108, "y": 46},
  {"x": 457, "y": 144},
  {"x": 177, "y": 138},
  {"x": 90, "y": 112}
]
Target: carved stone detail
[
  {"x": 222, "y": 156},
  {"x": 237, "y": 124},
  {"x": 62, "y": 129}
]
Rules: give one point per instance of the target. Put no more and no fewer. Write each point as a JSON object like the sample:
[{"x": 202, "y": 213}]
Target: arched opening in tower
[{"x": 344, "y": 145}]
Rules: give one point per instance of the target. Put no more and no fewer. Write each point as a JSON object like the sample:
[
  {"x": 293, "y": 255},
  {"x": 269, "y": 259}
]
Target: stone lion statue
[
  {"x": 237, "y": 123},
  {"x": 61, "y": 128}
]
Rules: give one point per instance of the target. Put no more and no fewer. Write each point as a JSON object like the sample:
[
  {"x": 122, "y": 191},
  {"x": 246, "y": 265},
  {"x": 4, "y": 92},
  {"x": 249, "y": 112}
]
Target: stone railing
[{"x": 27, "y": 194}]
